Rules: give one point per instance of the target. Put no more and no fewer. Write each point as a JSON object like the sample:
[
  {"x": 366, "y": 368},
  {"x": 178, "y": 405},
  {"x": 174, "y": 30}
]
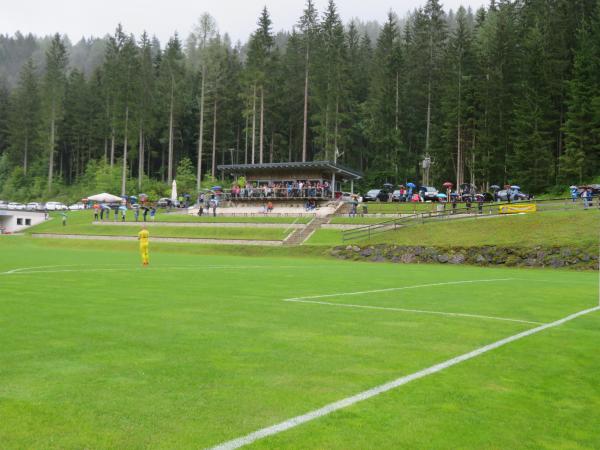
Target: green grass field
[
  {"x": 201, "y": 348},
  {"x": 549, "y": 228},
  {"x": 81, "y": 223}
]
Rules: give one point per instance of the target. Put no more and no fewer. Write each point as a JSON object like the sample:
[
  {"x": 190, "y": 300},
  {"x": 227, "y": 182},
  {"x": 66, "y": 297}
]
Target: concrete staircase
[{"x": 298, "y": 237}]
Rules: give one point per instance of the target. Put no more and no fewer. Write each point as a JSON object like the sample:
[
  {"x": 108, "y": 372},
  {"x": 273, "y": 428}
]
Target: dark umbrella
[{"x": 388, "y": 185}]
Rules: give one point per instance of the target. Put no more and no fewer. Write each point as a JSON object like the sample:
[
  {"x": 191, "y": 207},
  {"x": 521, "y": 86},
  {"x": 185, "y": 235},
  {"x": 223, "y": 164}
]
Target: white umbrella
[
  {"x": 174, "y": 191},
  {"x": 105, "y": 198}
]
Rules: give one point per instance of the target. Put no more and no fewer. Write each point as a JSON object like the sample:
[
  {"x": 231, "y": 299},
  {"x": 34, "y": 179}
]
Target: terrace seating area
[{"x": 281, "y": 189}]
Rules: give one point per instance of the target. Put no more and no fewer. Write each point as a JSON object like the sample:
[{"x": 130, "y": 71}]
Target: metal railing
[{"x": 477, "y": 210}]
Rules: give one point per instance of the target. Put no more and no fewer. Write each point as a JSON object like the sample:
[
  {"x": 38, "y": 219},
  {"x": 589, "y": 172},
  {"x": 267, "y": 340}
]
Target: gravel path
[
  {"x": 203, "y": 224},
  {"x": 156, "y": 239}
]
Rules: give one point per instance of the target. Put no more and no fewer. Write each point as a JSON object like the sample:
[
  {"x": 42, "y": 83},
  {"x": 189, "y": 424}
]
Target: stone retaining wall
[{"x": 583, "y": 258}]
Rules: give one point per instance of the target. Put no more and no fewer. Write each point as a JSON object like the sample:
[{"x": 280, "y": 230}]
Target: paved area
[{"x": 157, "y": 239}]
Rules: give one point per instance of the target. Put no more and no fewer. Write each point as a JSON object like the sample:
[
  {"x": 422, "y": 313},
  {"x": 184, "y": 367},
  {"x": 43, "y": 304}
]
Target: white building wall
[{"x": 14, "y": 221}]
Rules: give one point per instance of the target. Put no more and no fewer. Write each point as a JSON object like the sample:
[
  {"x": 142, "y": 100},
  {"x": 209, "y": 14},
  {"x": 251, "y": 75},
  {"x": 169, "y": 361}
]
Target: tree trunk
[
  {"x": 141, "y": 158},
  {"x": 397, "y": 98},
  {"x": 200, "y": 133},
  {"x": 305, "y": 125},
  {"x": 271, "y": 147},
  {"x": 105, "y": 150},
  {"x": 170, "y": 157},
  {"x": 262, "y": 123},
  {"x": 112, "y": 148},
  {"x": 124, "y": 172},
  {"x": 253, "y": 122},
  {"x": 51, "y": 156},
  {"x": 25, "y": 151},
  {"x": 459, "y": 156},
  {"x": 335, "y": 131},
  {"x": 246, "y": 142},
  {"x": 290, "y": 145},
  {"x": 427, "y": 132},
  {"x": 214, "y": 142}
]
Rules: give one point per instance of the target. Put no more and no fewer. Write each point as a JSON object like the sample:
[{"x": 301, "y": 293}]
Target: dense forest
[{"x": 509, "y": 93}]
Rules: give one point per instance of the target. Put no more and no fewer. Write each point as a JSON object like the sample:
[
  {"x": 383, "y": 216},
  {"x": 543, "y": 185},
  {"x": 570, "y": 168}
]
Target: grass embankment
[
  {"x": 98, "y": 352},
  {"x": 552, "y": 228},
  {"x": 80, "y": 223}
]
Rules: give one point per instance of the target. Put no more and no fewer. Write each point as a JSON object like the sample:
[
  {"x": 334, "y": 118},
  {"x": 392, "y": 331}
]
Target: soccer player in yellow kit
[{"x": 144, "y": 238}]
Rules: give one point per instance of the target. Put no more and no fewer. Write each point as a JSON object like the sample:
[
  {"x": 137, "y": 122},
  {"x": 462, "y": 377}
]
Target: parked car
[
  {"x": 3, "y": 204},
  {"x": 396, "y": 197},
  {"x": 164, "y": 203},
  {"x": 34, "y": 206},
  {"x": 76, "y": 206},
  {"x": 56, "y": 206},
  {"x": 376, "y": 195},
  {"x": 16, "y": 206},
  {"x": 430, "y": 193}
]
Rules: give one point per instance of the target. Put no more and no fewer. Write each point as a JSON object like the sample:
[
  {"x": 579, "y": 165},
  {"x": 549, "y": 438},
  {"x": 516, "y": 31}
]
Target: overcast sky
[{"x": 78, "y": 18}]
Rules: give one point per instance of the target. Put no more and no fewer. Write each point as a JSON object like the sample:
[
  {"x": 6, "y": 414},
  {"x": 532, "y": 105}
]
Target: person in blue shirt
[{"x": 574, "y": 194}]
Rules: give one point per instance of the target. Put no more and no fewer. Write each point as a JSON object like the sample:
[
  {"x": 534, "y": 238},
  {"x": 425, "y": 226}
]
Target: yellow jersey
[{"x": 143, "y": 236}]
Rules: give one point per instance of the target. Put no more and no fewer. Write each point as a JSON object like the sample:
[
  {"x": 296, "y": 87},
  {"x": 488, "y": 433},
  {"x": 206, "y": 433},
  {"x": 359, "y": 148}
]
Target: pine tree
[
  {"x": 53, "y": 94},
  {"x": 24, "y": 125},
  {"x": 308, "y": 26},
  {"x": 582, "y": 128}
]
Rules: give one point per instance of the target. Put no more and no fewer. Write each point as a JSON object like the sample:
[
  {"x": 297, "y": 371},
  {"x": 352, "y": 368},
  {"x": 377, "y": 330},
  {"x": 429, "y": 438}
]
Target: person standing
[
  {"x": 95, "y": 214},
  {"x": 585, "y": 195},
  {"x": 64, "y": 218},
  {"x": 144, "y": 238},
  {"x": 152, "y": 213},
  {"x": 136, "y": 214},
  {"x": 145, "y": 214},
  {"x": 574, "y": 192}
]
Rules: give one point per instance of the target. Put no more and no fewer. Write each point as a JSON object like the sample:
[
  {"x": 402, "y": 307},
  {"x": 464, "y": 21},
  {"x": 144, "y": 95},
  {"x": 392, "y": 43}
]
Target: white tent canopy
[
  {"x": 105, "y": 198},
  {"x": 174, "y": 191}
]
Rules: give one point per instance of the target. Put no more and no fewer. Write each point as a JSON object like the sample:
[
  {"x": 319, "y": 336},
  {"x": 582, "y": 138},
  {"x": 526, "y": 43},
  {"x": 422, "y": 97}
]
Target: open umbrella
[
  {"x": 441, "y": 196},
  {"x": 518, "y": 188},
  {"x": 495, "y": 187},
  {"x": 388, "y": 185},
  {"x": 411, "y": 185},
  {"x": 448, "y": 185},
  {"x": 104, "y": 206},
  {"x": 122, "y": 208},
  {"x": 216, "y": 188},
  {"x": 573, "y": 187}
]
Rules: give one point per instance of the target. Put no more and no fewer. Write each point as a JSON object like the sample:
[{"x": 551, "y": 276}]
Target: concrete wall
[{"x": 15, "y": 221}]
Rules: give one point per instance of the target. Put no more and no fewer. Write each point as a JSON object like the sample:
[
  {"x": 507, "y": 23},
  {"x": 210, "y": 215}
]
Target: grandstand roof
[{"x": 326, "y": 166}]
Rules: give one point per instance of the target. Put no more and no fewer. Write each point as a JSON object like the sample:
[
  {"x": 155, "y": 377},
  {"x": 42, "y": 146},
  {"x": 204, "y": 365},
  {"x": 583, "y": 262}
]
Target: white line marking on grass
[
  {"x": 416, "y": 286},
  {"x": 418, "y": 311},
  {"x": 349, "y": 401},
  {"x": 29, "y": 271}
]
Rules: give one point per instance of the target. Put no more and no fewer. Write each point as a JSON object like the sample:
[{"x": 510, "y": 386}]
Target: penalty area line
[
  {"x": 416, "y": 286},
  {"x": 417, "y": 311},
  {"x": 349, "y": 401}
]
